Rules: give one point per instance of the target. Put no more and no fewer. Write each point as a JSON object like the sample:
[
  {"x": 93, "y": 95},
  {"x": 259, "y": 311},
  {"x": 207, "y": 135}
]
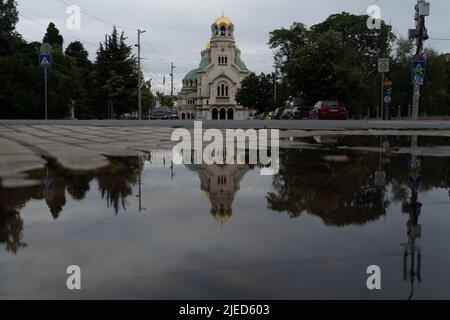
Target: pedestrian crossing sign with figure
[{"x": 45, "y": 60}]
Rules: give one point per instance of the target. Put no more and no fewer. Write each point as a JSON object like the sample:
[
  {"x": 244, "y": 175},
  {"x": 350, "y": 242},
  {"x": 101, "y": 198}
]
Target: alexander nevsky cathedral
[{"x": 209, "y": 92}]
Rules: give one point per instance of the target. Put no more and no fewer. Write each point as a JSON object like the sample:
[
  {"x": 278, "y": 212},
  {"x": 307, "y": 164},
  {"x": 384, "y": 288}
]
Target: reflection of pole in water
[
  {"x": 413, "y": 208},
  {"x": 140, "y": 161}
]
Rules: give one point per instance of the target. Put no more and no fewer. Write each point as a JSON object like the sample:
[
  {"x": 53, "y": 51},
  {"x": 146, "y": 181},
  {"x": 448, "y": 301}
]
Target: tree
[
  {"x": 163, "y": 99},
  {"x": 434, "y": 96},
  {"x": 53, "y": 37},
  {"x": 148, "y": 98},
  {"x": 257, "y": 92},
  {"x": 370, "y": 44},
  {"x": 401, "y": 75},
  {"x": 335, "y": 59},
  {"x": 77, "y": 51},
  {"x": 9, "y": 17},
  {"x": 287, "y": 41},
  {"x": 114, "y": 88},
  {"x": 114, "y": 55}
]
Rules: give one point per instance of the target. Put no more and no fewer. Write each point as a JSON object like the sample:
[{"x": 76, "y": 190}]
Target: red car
[{"x": 329, "y": 110}]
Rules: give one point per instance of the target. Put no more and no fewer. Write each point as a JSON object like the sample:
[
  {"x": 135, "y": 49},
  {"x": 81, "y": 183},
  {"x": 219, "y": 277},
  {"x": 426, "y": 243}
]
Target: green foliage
[
  {"x": 77, "y": 51},
  {"x": 9, "y": 17},
  {"x": 287, "y": 41},
  {"x": 335, "y": 59},
  {"x": 164, "y": 100},
  {"x": 53, "y": 37},
  {"x": 113, "y": 55},
  {"x": 257, "y": 92}
]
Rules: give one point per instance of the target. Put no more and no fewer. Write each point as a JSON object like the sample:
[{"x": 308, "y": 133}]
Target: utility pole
[
  {"x": 275, "y": 88},
  {"x": 139, "y": 74},
  {"x": 149, "y": 106},
  {"x": 172, "y": 67},
  {"x": 419, "y": 34}
]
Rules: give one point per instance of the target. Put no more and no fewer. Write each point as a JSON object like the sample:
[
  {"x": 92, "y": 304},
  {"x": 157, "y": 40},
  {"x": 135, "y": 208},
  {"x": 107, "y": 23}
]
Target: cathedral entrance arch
[
  {"x": 223, "y": 114},
  {"x": 231, "y": 114},
  {"x": 215, "y": 114}
]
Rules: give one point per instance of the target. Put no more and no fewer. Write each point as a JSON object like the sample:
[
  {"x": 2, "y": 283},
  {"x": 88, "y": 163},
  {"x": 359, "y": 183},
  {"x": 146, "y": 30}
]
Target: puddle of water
[{"x": 140, "y": 229}]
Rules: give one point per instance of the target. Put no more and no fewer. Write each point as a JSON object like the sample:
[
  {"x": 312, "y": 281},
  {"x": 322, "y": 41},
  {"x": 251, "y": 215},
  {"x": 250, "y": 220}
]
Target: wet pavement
[
  {"x": 141, "y": 227},
  {"x": 87, "y": 145}
]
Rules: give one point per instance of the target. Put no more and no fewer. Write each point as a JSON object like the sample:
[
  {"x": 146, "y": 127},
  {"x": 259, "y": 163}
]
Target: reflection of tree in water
[
  {"x": 11, "y": 224},
  {"x": 116, "y": 182},
  {"x": 341, "y": 193}
]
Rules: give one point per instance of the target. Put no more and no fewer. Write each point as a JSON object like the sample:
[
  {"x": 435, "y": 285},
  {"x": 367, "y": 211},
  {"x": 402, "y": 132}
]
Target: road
[{"x": 285, "y": 125}]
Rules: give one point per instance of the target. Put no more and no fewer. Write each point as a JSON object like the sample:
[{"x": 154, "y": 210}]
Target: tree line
[
  {"x": 103, "y": 89},
  {"x": 337, "y": 59}
]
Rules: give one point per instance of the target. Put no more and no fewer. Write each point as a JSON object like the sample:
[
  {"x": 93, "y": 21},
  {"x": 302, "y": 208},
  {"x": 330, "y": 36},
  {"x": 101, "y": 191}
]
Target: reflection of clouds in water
[{"x": 177, "y": 250}]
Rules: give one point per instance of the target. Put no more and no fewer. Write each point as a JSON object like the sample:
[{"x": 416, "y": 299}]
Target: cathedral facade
[{"x": 209, "y": 92}]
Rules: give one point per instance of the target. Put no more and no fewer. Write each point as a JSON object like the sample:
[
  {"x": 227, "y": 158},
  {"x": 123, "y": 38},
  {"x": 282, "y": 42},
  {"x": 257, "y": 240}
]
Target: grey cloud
[{"x": 177, "y": 29}]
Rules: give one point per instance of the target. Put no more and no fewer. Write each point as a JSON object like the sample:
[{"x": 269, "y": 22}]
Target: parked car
[
  {"x": 161, "y": 113},
  {"x": 174, "y": 115},
  {"x": 287, "y": 114},
  {"x": 329, "y": 110},
  {"x": 278, "y": 113},
  {"x": 301, "y": 113},
  {"x": 262, "y": 116}
]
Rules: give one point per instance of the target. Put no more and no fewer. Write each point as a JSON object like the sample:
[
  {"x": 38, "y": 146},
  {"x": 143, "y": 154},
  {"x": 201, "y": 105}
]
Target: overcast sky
[{"x": 177, "y": 30}]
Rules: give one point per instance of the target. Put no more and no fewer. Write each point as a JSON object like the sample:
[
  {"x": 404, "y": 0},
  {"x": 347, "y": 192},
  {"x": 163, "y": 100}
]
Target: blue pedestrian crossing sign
[
  {"x": 419, "y": 67},
  {"x": 45, "y": 60}
]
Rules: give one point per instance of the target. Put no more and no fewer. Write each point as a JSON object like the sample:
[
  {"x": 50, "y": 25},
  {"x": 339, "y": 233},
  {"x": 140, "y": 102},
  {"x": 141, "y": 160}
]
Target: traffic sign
[
  {"x": 45, "y": 60},
  {"x": 380, "y": 178},
  {"x": 419, "y": 80},
  {"x": 46, "y": 48},
  {"x": 383, "y": 65},
  {"x": 415, "y": 165},
  {"x": 387, "y": 99},
  {"x": 419, "y": 66}
]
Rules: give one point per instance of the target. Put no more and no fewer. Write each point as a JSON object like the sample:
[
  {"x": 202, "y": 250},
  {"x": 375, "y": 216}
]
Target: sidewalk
[{"x": 86, "y": 145}]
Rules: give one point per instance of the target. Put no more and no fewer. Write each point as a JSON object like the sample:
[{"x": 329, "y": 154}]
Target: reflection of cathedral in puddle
[
  {"x": 54, "y": 193},
  {"x": 220, "y": 183}
]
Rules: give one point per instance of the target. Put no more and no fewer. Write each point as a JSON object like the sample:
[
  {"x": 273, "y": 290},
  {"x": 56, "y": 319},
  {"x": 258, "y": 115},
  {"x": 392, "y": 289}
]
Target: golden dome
[
  {"x": 223, "y": 20},
  {"x": 207, "y": 45},
  {"x": 222, "y": 217}
]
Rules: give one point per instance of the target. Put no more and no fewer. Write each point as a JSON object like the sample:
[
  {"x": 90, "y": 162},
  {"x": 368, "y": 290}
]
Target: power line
[
  {"x": 99, "y": 19},
  {"x": 44, "y": 25},
  {"x": 440, "y": 39},
  {"x": 153, "y": 76},
  {"x": 154, "y": 51}
]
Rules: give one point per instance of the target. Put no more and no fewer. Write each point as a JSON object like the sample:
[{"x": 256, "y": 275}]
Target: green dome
[{"x": 192, "y": 75}]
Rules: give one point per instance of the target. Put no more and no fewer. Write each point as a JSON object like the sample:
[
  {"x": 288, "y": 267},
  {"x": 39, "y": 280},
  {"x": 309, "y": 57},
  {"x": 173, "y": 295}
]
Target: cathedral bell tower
[{"x": 222, "y": 30}]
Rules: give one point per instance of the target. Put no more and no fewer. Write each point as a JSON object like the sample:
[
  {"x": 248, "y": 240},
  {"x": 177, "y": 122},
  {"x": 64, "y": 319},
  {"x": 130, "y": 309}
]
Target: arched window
[
  {"x": 223, "y": 31},
  {"x": 223, "y": 90}
]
